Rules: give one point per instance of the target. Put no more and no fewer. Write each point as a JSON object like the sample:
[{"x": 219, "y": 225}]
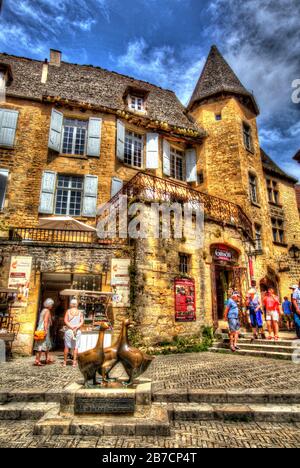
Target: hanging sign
[
  {"x": 19, "y": 278},
  {"x": 222, "y": 253},
  {"x": 185, "y": 300}
]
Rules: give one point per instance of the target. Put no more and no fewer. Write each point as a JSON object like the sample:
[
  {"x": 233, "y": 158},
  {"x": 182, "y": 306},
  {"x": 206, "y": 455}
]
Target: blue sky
[{"x": 167, "y": 41}]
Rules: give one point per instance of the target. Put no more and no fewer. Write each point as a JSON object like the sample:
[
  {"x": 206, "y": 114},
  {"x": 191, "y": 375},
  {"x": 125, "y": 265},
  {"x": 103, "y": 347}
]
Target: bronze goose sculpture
[
  {"x": 91, "y": 361},
  {"x": 134, "y": 361}
]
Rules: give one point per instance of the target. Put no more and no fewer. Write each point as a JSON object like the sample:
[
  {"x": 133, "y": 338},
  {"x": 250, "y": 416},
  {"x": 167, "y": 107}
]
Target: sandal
[
  {"x": 38, "y": 364},
  {"x": 64, "y": 364},
  {"x": 276, "y": 338},
  {"x": 49, "y": 362},
  {"x": 75, "y": 365},
  {"x": 232, "y": 349}
]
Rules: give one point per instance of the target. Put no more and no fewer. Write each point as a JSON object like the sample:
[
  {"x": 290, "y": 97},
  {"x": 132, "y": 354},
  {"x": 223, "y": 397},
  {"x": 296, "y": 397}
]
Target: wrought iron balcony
[{"x": 148, "y": 188}]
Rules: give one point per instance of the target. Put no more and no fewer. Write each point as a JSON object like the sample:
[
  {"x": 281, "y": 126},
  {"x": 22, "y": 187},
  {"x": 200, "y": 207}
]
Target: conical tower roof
[{"x": 218, "y": 78}]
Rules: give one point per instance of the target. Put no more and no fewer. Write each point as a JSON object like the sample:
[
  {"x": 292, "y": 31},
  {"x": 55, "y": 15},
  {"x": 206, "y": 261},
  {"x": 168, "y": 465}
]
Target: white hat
[{"x": 294, "y": 287}]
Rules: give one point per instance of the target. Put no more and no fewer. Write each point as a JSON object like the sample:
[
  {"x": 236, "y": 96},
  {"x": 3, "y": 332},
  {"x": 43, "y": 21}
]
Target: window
[
  {"x": 258, "y": 238},
  {"x": 136, "y": 103},
  {"x": 184, "y": 263},
  {"x": 273, "y": 191},
  {"x": 177, "y": 164},
  {"x": 253, "y": 188},
  {"x": 200, "y": 178},
  {"x": 218, "y": 117},
  {"x": 247, "y": 133},
  {"x": 74, "y": 136},
  {"x": 133, "y": 153},
  {"x": 69, "y": 194},
  {"x": 278, "y": 230},
  {"x": 3, "y": 186},
  {"x": 2, "y": 86}
]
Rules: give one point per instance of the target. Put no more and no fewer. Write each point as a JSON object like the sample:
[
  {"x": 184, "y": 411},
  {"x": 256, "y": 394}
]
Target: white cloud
[{"x": 163, "y": 66}]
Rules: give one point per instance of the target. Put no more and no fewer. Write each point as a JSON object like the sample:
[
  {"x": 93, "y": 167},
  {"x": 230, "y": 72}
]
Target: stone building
[{"x": 74, "y": 137}]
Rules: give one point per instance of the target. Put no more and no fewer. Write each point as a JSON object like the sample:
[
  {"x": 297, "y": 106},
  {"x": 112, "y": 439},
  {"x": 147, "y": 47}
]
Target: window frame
[
  {"x": 247, "y": 134},
  {"x": 133, "y": 103},
  {"x": 4, "y": 172},
  {"x": 184, "y": 261},
  {"x": 69, "y": 190},
  {"x": 73, "y": 153},
  {"x": 272, "y": 189},
  {"x": 174, "y": 153},
  {"x": 278, "y": 230},
  {"x": 136, "y": 137},
  {"x": 253, "y": 188},
  {"x": 258, "y": 239}
]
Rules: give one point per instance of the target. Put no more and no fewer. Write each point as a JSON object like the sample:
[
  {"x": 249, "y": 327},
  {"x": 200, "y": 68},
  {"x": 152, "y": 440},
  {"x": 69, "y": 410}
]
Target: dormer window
[{"x": 136, "y": 103}]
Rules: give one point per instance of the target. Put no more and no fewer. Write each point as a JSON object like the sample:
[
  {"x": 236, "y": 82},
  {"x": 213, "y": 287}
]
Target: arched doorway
[{"x": 271, "y": 280}]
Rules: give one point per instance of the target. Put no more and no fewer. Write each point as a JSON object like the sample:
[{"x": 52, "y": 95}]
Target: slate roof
[
  {"x": 218, "y": 77},
  {"x": 96, "y": 86},
  {"x": 273, "y": 169},
  {"x": 297, "y": 156}
]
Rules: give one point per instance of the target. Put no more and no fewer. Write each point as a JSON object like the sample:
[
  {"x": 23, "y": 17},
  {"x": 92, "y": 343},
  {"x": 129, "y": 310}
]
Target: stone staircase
[
  {"x": 282, "y": 349},
  {"x": 168, "y": 406}
]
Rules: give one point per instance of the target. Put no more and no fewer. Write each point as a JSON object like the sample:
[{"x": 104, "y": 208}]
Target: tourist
[
  {"x": 288, "y": 313},
  {"x": 272, "y": 306},
  {"x": 232, "y": 316},
  {"x": 255, "y": 312},
  {"x": 43, "y": 342},
  {"x": 296, "y": 303},
  {"x": 73, "y": 321}
]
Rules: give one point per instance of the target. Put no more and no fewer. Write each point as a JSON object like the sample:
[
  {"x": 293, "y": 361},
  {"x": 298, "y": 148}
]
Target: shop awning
[{"x": 64, "y": 223}]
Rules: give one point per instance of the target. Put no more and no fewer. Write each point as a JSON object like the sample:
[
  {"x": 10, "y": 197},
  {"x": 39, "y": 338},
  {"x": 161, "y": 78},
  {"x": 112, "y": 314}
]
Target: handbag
[{"x": 40, "y": 335}]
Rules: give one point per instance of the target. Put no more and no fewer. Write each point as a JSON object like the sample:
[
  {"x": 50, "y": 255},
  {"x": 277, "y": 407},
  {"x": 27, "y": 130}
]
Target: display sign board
[
  {"x": 222, "y": 253},
  {"x": 121, "y": 296},
  {"x": 19, "y": 278},
  {"x": 120, "y": 272},
  {"x": 185, "y": 300}
]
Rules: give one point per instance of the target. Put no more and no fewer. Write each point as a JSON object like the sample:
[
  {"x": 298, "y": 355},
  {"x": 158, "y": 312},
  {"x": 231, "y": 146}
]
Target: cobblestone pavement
[
  {"x": 183, "y": 435},
  {"x": 204, "y": 370}
]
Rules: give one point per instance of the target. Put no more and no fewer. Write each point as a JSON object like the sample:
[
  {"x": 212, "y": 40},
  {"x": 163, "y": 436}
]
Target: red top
[{"x": 271, "y": 302}]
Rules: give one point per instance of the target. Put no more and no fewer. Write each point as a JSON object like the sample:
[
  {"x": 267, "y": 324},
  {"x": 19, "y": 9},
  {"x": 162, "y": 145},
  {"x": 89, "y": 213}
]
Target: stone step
[
  {"x": 285, "y": 343},
  {"x": 275, "y": 348},
  {"x": 253, "y": 353},
  {"x": 151, "y": 422},
  {"x": 247, "y": 396},
  {"x": 30, "y": 396},
  {"x": 235, "y": 412},
  {"x": 25, "y": 411}
]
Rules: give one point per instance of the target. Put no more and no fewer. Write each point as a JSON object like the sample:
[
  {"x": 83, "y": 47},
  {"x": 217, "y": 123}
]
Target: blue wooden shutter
[
  {"x": 120, "y": 140},
  {"x": 116, "y": 186},
  {"x": 8, "y": 127},
  {"x": 166, "y": 158},
  {"x": 94, "y": 137},
  {"x": 48, "y": 192},
  {"x": 90, "y": 196},
  {"x": 191, "y": 165},
  {"x": 56, "y": 127},
  {"x": 152, "y": 151}
]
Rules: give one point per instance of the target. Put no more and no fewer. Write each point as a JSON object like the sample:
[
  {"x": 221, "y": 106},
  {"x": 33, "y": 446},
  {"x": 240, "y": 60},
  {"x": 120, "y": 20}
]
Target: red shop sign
[{"x": 185, "y": 300}]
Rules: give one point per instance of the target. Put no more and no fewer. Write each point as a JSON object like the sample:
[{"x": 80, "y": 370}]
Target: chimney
[
  {"x": 55, "y": 57},
  {"x": 45, "y": 72}
]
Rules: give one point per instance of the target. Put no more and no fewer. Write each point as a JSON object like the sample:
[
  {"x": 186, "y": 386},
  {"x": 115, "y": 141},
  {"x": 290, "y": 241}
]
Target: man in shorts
[
  {"x": 232, "y": 316},
  {"x": 288, "y": 313},
  {"x": 273, "y": 312}
]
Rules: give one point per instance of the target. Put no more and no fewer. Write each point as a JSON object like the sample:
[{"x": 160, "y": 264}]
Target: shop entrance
[
  {"x": 51, "y": 286},
  {"x": 227, "y": 276}
]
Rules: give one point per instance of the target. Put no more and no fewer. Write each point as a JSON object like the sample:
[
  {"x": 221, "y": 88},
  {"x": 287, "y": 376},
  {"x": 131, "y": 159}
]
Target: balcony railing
[
  {"x": 51, "y": 236},
  {"x": 144, "y": 187}
]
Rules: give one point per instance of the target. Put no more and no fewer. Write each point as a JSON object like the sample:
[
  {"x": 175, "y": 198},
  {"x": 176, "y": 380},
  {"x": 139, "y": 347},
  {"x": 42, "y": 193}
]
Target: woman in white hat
[
  {"x": 44, "y": 345},
  {"x": 73, "y": 321}
]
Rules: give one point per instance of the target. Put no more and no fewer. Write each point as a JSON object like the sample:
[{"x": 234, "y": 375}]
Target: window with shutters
[
  {"x": 133, "y": 151},
  {"x": 273, "y": 191},
  {"x": 74, "y": 136},
  {"x": 278, "y": 229},
  {"x": 177, "y": 164},
  {"x": 69, "y": 195},
  {"x": 253, "y": 186},
  {"x": 247, "y": 134},
  {"x": 3, "y": 186}
]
